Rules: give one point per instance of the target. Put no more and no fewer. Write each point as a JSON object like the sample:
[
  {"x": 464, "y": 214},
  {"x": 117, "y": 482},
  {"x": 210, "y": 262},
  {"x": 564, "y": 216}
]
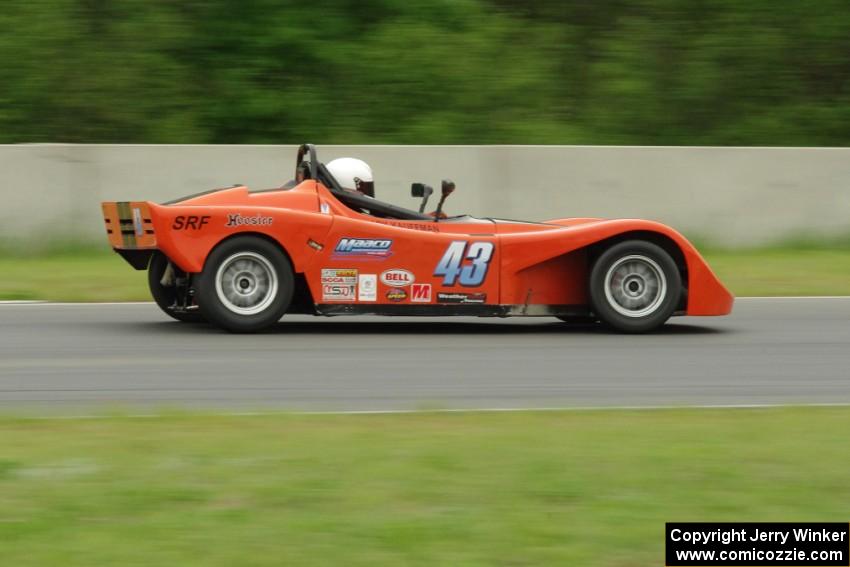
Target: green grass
[
  {"x": 86, "y": 274},
  {"x": 783, "y": 271},
  {"x": 82, "y": 274},
  {"x": 546, "y": 488}
]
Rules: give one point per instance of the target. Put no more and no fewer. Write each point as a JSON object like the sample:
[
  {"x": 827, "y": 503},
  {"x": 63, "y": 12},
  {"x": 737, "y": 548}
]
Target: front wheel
[
  {"x": 635, "y": 286},
  {"x": 246, "y": 285}
]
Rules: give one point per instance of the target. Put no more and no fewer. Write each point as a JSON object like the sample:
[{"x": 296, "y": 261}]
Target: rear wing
[
  {"x": 128, "y": 224},
  {"x": 129, "y": 228}
]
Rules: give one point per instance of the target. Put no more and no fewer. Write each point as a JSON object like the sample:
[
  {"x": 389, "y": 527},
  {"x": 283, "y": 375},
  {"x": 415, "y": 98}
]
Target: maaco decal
[{"x": 365, "y": 248}]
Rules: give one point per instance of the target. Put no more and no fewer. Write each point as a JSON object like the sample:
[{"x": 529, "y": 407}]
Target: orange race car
[{"x": 324, "y": 245}]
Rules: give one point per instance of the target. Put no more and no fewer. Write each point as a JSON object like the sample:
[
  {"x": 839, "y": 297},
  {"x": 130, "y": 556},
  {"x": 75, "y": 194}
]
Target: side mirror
[
  {"x": 448, "y": 187},
  {"x": 420, "y": 190}
]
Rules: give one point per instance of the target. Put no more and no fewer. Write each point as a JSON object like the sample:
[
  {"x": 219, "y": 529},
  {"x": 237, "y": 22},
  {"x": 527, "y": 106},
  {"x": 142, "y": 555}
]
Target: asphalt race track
[{"x": 68, "y": 359}]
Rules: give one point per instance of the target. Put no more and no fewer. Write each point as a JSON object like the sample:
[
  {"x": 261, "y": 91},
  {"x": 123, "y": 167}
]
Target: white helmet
[{"x": 353, "y": 174}]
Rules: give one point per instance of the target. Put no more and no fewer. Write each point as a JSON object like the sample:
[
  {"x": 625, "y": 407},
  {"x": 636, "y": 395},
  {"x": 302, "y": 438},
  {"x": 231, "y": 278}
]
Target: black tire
[
  {"x": 635, "y": 286},
  {"x": 246, "y": 285},
  {"x": 166, "y": 297}
]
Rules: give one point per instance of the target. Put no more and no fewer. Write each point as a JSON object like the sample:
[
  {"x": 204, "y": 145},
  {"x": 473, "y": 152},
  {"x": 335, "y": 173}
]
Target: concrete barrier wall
[{"x": 732, "y": 196}]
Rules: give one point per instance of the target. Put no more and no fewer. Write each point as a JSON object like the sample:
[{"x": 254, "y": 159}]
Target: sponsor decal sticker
[
  {"x": 462, "y": 298},
  {"x": 339, "y": 284},
  {"x": 365, "y": 248},
  {"x": 397, "y": 278},
  {"x": 137, "y": 221},
  {"x": 420, "y": 293},
  {"x": 325, "y": 208},
  {"x": 336, "y": 275},
  {"x": 396, "y": 294},
  {"x": 190, "y": 222},
  {"x": 367, "y": 288},
  {"x": 338, "y": 292},
  {"x": 236, "y": 219}
]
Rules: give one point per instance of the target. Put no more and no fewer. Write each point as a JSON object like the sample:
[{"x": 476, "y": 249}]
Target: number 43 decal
[{"x": 473, "y": 271}]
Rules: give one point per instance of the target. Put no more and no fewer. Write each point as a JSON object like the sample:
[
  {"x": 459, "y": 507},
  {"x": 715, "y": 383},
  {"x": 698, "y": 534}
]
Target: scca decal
[
  {"x": 339, "y": 284},
  {"x": 190, "y": 222}
]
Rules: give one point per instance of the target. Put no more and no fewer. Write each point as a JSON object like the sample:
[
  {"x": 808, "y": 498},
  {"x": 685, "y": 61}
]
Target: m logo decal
[{"x": 420, "y": 293}]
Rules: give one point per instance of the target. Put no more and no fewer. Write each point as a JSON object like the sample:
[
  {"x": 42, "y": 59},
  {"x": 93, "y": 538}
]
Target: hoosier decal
[{"x": 236, "y": 219}]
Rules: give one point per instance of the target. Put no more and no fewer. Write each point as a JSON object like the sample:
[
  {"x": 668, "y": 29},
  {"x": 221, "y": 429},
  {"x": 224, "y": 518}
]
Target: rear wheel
[
  {"x": 164, "y": 290},
  {"x": 246, "y": 285},
  {"x": 635, "y": 286}
]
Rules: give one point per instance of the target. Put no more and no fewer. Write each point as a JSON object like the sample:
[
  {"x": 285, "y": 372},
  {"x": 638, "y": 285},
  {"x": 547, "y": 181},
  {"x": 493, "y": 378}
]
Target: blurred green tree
[{"x": 649, "y": 72}]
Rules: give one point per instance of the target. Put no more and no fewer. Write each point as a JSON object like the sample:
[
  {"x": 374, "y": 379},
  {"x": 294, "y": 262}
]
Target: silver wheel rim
[
  {"x": 635, "y": 286},
  {"x": 246, "y": 283}
]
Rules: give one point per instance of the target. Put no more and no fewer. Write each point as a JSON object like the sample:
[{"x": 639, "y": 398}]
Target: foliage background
[{"x": 644, "y": 72}]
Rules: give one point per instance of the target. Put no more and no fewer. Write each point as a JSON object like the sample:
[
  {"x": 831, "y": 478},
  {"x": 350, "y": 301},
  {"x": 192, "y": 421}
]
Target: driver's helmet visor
[{"x": 365, "y": 187}]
